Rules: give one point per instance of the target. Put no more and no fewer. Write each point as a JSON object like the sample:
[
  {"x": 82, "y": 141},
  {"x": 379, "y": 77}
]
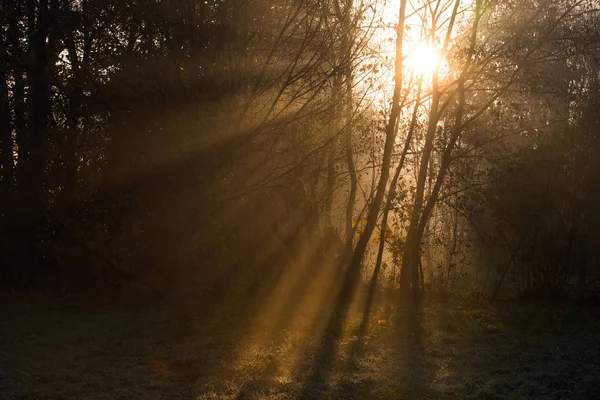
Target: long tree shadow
[
  {"x": 402, "y": 341},
  {"x": 410, "y": 362},
  {"x": 315, "y": 387},
  {"x": 357, "y": 348}
]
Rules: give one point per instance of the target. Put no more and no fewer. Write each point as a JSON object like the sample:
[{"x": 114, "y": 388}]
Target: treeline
[
  {"x": 169, "y": 140},
  {"x": 535, "y": 208},
  {"x": 210, "y": 146}
]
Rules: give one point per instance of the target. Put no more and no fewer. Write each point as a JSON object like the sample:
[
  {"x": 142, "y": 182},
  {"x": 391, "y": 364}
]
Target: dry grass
[{"x": 144, "y": 349}]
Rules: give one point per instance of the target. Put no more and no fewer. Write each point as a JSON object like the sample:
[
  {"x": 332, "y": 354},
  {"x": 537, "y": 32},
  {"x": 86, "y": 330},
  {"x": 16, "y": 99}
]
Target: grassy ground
[{"x": 147, "y": 349}]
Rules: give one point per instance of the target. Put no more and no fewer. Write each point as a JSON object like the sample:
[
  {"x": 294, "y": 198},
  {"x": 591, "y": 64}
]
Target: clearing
[{"x": 455, "y": 348}]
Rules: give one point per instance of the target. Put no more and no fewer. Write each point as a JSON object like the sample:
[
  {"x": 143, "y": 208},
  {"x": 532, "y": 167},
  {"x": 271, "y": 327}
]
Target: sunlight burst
[{"x": 423, "y": 59}]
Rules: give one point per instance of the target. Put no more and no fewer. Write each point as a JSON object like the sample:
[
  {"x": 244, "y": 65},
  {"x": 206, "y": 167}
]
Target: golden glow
[{"x": 422, "y": 60}]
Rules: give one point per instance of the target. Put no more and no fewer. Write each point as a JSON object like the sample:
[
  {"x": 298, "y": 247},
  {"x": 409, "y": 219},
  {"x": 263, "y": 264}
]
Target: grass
[{"x": 455, "y": 348}]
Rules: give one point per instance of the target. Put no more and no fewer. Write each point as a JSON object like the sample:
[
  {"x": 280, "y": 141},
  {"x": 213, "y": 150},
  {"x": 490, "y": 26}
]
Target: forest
[{"x": 299, "y": 199}]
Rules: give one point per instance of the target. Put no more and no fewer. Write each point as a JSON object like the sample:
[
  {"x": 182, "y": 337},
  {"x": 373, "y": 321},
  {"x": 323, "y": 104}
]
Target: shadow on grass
[
  {"x": 357, "y": 348},
  {"x": 405, "y": 340},
  {"x": 410, "y": 361},
  {"x": 326, "y": 355}
]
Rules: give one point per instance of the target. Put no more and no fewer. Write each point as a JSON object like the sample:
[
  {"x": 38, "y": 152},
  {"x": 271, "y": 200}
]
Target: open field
[{"x": 455, "y": 348}]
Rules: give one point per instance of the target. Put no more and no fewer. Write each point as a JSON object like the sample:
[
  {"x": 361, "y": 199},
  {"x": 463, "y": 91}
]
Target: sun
[{"x": 423, "y": 59}]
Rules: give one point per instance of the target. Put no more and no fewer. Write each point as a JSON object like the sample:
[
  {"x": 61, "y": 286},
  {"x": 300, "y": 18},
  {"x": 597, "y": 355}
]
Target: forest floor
[{"x": 454, "y": 348}]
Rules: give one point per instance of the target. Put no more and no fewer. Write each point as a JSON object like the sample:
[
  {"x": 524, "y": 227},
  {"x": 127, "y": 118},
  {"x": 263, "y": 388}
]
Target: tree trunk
[
  {"x": 75, "y": 97},
  {"x": 39, "y": 105},
  {"x": 410, "y": 258},
  {"x": 394, "y": 184},
  {"x": 347, "y": 41},
  {"x": 7, "y": 173},
  {"x": 349, "y": 236},
  {"x": 331, "y": 156},
  {"x": 18, "y": 95},
  {"x": 409, "y": 281},
  {"x": 373, "y": 215}
]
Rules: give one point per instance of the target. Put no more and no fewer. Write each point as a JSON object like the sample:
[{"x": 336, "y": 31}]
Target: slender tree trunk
[
  {"x": 373, "y": 215},
  {"x": 7, "y": 173},
  {"x": 347, "y": 41},
  {"x": 392, "y": 191},
  {"x": 409, "y": 280},
  {"x": 457, "y": 130},
  {"x": 349, "y": 236},
  {"x": 18, "y": 96},
  {"x": 75, "y": 97},
  {"x": 331, "y": 155},
  {"x": 410, "y": 258},
  {"x": 39, "y": 104},
  {"x": 71, "y": 163}
]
